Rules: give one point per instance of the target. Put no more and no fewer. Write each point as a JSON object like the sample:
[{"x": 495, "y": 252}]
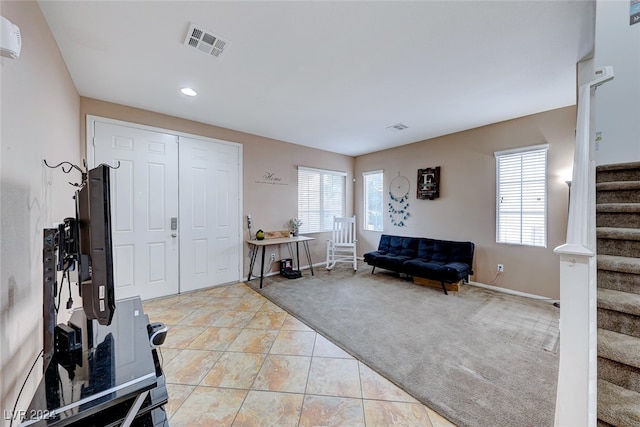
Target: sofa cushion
[
  {"x": 385, "y": 243},
  {"x": 405, "y": 246},
  {"x": 392, "y": 262},
  {"x": 425, "y": 248},
  {"x": 433, "y": 270},
  {"x": 462, "y": 252},
  {"x": 441, "y": 251}
]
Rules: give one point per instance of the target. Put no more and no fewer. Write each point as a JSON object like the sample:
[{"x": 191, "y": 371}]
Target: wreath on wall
[{"x": 399, "y": 204}]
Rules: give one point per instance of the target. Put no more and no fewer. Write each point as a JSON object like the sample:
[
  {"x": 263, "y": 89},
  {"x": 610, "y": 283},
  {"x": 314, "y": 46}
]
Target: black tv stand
[{"x": 113, "y": 379}]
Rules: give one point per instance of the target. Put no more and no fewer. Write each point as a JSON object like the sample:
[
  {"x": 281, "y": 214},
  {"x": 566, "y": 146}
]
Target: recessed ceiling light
[{"x": 188, "y": 91}]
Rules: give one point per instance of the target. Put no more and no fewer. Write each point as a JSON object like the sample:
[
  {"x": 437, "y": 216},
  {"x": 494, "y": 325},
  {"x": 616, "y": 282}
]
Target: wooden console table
[{"x": 289, "y": 241}]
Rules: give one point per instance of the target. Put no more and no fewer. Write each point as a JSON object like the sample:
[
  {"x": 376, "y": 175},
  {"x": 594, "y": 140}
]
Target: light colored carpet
[
  {"x": 521, "y": 321},
  {"x": 477, "y": 357}
]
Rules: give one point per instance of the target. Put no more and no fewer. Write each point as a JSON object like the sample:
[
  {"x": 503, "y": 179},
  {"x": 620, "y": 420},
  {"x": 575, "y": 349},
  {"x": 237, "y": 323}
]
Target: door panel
[
  {"x": 209, "y": 212},
  {"x": 144, "y": 198}
]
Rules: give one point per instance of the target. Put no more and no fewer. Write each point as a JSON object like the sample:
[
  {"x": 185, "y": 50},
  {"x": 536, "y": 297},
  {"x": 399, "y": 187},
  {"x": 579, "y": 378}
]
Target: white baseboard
[{"x": 512, "y": 292}]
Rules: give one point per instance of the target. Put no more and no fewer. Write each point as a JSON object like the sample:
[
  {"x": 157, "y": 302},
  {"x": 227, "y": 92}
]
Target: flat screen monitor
[{"x": 95, "y": 269}]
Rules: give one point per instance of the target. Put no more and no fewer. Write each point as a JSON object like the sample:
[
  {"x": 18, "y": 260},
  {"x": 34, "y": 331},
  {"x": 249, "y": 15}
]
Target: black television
[{"x": 95, "y": 252}]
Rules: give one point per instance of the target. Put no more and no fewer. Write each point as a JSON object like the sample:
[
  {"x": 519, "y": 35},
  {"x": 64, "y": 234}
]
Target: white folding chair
[{"x": 342, "y": 246}]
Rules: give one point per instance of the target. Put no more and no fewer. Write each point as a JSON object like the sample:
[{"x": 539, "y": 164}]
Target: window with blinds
[
  {"x": 321, "y": 196},
  {"x": 521, "y": 196}
]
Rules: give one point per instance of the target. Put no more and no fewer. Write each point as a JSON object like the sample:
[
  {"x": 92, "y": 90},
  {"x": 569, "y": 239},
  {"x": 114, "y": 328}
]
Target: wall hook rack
[{"x": 70, "y": 166}]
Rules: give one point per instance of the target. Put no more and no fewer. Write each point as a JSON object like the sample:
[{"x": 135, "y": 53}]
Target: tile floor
[{"x": 233, "y": 358}]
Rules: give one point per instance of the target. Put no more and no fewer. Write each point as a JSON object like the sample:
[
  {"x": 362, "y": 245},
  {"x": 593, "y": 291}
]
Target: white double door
[{"x": 175, "y": 208}]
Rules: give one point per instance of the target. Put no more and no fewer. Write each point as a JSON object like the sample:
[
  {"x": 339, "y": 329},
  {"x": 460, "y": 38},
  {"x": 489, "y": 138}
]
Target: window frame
[
  {"x": 511, "y": 181},
  {"x": 365, "y": 199},
  {"x": 305, "y": 228}
]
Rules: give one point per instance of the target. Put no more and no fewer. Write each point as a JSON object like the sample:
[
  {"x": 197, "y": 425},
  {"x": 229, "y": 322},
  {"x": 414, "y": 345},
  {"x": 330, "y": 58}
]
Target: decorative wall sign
[
  {"x": 399, "y": 204},
  {"x": 270, "y": 178},
  {"x": 429, "y": 183}
]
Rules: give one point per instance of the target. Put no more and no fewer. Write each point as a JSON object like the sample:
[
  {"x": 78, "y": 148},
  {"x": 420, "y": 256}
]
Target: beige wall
[
  {"x": 40, "y": 120},
  {"x": 466, "y": 207},
  {"x": 270, "y": 205}
]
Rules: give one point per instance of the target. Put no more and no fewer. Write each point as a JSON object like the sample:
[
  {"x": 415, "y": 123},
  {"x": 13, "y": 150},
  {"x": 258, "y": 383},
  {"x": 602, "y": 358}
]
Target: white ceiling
[{"x": 330, "y": 75}]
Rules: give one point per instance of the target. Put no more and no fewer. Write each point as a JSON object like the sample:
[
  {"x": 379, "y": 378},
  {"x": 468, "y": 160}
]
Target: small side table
[{"x": 256, "y": 244}]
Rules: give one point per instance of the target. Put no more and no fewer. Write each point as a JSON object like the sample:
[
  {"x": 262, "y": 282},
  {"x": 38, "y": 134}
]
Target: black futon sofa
[{"x": 440, "y": 260}]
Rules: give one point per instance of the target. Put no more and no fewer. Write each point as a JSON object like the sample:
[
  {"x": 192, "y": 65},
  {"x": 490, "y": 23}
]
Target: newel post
[{"x": 576, "y": 397}]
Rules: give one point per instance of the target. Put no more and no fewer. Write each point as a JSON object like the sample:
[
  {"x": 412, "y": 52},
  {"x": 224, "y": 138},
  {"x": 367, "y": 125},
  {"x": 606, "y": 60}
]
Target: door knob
[{"x": 174, "y": 235}]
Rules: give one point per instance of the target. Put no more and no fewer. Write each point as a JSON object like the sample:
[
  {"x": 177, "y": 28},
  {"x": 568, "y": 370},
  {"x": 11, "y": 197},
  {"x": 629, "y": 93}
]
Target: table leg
[
  {"x": 306, "y": 249},
  {"x": 262, "y": 267},
  {"x": 298, "y": 254},
  {"x": 254, "y": 252}
]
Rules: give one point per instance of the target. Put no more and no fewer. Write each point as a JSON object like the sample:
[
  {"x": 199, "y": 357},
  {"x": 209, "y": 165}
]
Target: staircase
[{"x": 618, "y": 258}]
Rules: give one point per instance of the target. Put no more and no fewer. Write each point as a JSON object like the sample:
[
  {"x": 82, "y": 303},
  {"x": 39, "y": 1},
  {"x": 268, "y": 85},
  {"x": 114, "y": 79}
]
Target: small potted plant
[{"x": 294, "y": 226}]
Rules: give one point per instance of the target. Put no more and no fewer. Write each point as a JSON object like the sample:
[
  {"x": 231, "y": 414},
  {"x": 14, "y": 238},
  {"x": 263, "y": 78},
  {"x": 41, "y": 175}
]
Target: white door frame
[{"x": 91, "y": 119}]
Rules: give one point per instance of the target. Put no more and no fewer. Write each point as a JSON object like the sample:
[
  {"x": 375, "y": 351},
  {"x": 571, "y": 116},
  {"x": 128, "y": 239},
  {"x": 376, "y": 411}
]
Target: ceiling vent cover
[{"x": 205, "y": 41}]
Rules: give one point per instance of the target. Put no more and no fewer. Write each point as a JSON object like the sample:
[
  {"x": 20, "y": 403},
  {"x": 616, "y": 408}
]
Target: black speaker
[{"x": 157, "y": 333}]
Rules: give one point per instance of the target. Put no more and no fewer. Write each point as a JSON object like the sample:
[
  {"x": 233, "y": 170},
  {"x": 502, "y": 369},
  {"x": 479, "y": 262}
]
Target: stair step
[
  {"x": 618, "y": 233},
  {"x": 619, "y": 374},
  {"x": 618, "y": 208},
  {"x": 617, "y": 405},
  {"x": 625, "y": 282},
  {"x": 619, "y": 347},
  {"x": 629, "y": 248},
  {"x": 618, "y": 185},
  {"x": 621, "y": 264},
  {"x": 618, "y": 172},
  {"x": 623, "y": 302},
  {"x": 620, "y": 215},
  {"x": 618, "y": 192},
  {"x": 618, "y": 321},
  {"x": 618, "y": 166}
]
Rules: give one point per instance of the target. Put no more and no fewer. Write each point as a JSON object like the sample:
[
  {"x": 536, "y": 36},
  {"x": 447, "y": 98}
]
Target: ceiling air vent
[
  {"x": 397, "y": 127},
  {"x": 205, "y": 41}
]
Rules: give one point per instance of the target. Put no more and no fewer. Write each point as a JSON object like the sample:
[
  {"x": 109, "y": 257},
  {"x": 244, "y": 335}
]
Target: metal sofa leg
[
  {"x": 444, "y": 288},
  {"x": 373, "y": 269}
]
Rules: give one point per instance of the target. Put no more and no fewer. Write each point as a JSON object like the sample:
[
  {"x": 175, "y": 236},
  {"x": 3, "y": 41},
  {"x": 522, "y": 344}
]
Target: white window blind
[
  {"x": 321, "y": 196},
  {"x": 373, "y": 200},
  {"x": 521, "y": 196}
]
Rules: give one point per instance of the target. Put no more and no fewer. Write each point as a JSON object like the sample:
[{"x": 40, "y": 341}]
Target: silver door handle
[{"x": 174, "y": 235}]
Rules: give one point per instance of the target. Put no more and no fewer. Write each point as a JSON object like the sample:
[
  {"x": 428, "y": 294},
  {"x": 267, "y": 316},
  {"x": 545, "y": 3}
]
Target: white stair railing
[{"x": 576, "y": 399}]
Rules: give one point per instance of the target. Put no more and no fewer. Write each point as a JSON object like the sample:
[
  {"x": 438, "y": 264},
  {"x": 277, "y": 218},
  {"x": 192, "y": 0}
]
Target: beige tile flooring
[{"x": 233, "y": 358}]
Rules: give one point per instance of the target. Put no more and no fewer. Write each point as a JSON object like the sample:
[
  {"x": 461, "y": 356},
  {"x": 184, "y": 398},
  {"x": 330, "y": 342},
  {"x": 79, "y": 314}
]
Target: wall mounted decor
[
  {"x": 429, "y": 183},
  {"x": 271, "y": 178},
  {"x": 399, "y": 204}
]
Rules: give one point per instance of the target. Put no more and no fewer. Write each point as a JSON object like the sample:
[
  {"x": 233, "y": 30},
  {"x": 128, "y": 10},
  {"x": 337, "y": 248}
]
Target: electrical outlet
[
  {"x": 500, "y": 268},
  {"x": 273, "y": 257}
]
